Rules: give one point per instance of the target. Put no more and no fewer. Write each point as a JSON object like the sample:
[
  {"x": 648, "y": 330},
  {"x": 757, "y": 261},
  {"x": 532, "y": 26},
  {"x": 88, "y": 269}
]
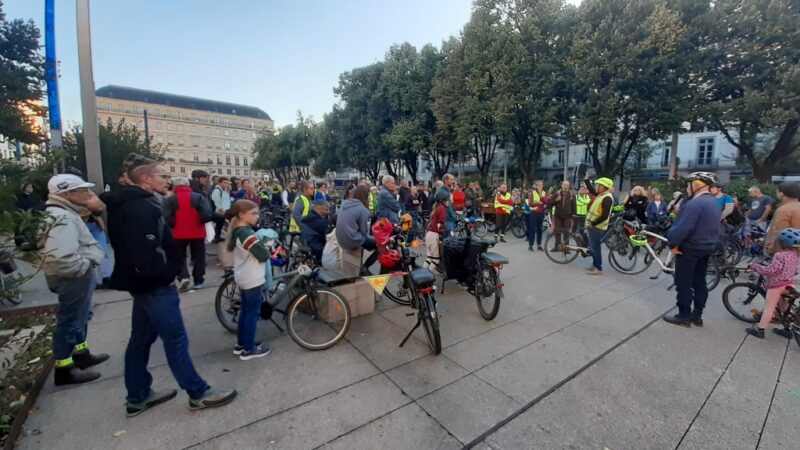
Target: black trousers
[
  {"x": 219, "y": 221},
  {"x": 690, "y": 282},
  {"x": 198, "y": 253},
  {"x": 501, "y": 221}
]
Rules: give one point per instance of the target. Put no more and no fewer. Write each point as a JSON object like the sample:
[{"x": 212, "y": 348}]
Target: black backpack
[{"x": 735, "y": 218}]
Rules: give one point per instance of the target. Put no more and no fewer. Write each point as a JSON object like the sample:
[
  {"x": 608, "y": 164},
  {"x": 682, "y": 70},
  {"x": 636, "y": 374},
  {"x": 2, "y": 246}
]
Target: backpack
[
  {"x": 735, "y": 218},
  {"x": 332, "y": 253}
]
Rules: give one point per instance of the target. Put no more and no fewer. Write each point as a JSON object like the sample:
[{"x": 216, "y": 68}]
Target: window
[
  {"x": 179, "y": 127},
  {"x": 247, "y": 172},
  {"x": 254, "y": 135},
  {"x": 196, "y": 158},
  {"x": 237, "y": 172},
  {"x": 229, "y": 171},
  {"x": 170, "y": 126},
  {"x": 244, "y": 161},
  {"x": 561, "y": 156},
  {"x": 236, "y": 145},
  {"x": 227, "y": 144},
  {"x": 252, "y": 126},
  {"x": 172, "y": 169},
  {"x": 227, "y": 133},
  {"x": 219, "y": 159},
  {"x": 228, "y": 160},
  {"x": 208, "y": 143},
  {"x": 236, "y": 160},
  {"x": 586, "y": 156},
  {"x": 183, "y": 169},
  {"x": 705, "y": 150},
  {"x": 666, "y": 155},
  {"x": 160, "y": 139}
]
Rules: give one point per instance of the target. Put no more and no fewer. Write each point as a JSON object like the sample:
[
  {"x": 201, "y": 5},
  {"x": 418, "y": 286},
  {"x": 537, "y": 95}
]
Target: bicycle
[
  {"x": 642, "y": 240},
  {"x": 469, "y": 226},
  {"x": 518, "y": 224},
  {"x": 316, "y": 317}
]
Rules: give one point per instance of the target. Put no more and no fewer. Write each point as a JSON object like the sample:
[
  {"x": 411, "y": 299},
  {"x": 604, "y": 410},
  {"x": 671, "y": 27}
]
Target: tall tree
[
  {"x": 288, "y": 153},
  {"x": 748, "y": 77},
  {"x": 21, "y": 80},
  {"x": 445, "y": 104}
]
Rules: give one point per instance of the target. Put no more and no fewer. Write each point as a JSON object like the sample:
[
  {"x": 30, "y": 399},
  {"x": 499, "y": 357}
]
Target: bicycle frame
[{"x": 666, "y": 266}]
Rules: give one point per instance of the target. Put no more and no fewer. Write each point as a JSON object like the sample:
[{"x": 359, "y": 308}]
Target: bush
[{"x": 738, "y": 188}]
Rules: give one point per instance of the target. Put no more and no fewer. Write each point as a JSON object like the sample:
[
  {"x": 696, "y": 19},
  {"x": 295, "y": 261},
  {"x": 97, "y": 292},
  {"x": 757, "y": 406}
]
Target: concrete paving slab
[
  {"x": 379, "y": 339},
  {"x": 424, "y": 375},
  {"x": 288, "y": 377},
  {"x": 408, "y": 427},
  {"x": 318, "y": 421},
  {"x": 742, "y": 397},
  {"x": 781, "y": 430},
  {"x": 468, "y": 406}
]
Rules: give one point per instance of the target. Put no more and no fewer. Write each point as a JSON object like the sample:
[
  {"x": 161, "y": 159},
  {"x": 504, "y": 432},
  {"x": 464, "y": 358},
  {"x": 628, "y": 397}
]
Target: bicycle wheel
[
  {"x": 491, "y": 227},
  {"x": 713, "y": 275},
  {"x": 480, "y": 229},
  {"x": 396, "y": 290},
  {"x": 430, "y": 322},
  {"x": 745, "y": 301},
  {"x": 227, "y": 303},
  {"x": 488, "y": 292},
  {"x": 732, "y": 251},
  {"x": 318, "y": 321},
  {"x": 518, "y": 228},
  {"x": 561, "y": 254},
  {"x": 630, "y": 260}
]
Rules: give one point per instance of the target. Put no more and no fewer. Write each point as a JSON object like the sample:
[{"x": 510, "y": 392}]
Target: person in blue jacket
[{"x": 692, "y": 239}]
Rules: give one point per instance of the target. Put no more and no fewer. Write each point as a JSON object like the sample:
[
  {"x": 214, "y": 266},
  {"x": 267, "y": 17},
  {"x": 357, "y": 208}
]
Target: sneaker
[
  {"x": 183, "y": 285},
  {"x": 783, "y": 332},
  {"x": 539, "y": 247},
  {"x": 259, "y": 352},
  {"x": 212, "y": 398},
  {"x": 502, "y": 238},
  {"x": 755, "y": 331},
  {"x": 530, "y": 248},
  {"x": 594, "y": 271},
  {"x": 697, "y": 322},
  {"x": 237, "y": 350},
  {"x": 199, "y": 286},
  {"x": 677, "y": 319},
  {"x": 155, "y": 398}
]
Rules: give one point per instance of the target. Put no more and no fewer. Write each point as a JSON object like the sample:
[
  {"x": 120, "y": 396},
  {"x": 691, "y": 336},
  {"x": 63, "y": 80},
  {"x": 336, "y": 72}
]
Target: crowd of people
[{"x": 156, "y": 225}]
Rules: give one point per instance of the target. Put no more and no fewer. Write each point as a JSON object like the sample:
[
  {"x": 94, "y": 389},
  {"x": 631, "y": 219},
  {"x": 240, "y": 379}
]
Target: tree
[
  {"x": 289, "y": 152},
  {"x": 21, "y": 78},
  {"x": 748, "y": 77},
  {"x": 117, "y": 140},
  {"x": 445, "y": 103},
  {"x": 627, "y": 85}
]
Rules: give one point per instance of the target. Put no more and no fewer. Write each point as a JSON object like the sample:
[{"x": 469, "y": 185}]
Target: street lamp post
[{"x": 91, "y": 138}]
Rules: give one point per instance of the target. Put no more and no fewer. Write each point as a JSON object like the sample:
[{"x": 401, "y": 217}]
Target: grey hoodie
[{"x": 352, "y": 224}]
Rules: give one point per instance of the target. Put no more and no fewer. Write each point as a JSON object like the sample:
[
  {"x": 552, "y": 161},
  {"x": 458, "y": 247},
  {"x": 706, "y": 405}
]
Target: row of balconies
[{"x": 700, "y": 163}]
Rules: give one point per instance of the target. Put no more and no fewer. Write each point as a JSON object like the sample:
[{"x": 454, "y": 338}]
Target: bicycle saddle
[{"x": 422, "y": 277}]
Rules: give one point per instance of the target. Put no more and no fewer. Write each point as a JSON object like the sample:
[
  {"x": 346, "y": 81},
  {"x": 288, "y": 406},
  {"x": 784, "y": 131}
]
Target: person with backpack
[
  {"x": 71, "y": 256},
  {"x": 186, "y": 213},
  {"x": 220, "y": 203}
]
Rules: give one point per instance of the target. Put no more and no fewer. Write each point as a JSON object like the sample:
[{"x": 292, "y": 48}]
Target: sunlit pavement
[{"x": 571, "y": 361}]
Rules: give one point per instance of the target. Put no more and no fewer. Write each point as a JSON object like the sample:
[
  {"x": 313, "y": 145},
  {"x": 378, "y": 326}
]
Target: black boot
[
  {"x": 73, "y": 375},
  {"x": 755, "y": 331},
  {"x": 86, "y": 359},
  {"x": 678, "y": 319},
  {"x": 785, "y": 332}
]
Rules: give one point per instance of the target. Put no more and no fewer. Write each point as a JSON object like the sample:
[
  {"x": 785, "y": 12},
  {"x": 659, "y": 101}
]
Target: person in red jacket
[{"x": 186, "y": 213}]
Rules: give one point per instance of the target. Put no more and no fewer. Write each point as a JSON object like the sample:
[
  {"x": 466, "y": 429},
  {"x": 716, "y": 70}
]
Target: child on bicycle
[
  {"x": 249, "y": 271},
  {"x": 779, "y": 274},
  {"x": 435, "y": 230}
]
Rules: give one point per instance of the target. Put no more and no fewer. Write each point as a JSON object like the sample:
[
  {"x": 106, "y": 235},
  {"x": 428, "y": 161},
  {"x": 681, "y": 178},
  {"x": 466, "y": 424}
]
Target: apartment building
[{"x": 198, "y": 134}]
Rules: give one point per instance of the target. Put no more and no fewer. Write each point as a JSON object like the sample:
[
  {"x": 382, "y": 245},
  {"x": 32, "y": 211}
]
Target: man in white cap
[{"x": 71, "y": 254}]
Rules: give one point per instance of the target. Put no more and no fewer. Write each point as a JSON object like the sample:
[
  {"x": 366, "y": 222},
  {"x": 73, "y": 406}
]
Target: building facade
[{"x": 202, "y": 134}]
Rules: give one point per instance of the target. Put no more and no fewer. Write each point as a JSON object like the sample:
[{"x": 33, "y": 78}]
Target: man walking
[
  {"x": 387, "y": 204},
  {"x": 186, "y": 213},
  {"x": 597, "y": 218},
  {"x": 537, "y": 202},
  {"x": 563, "y": 203},
  {"x": 145, "y": 266},
  {"x": 71, "y": 255},
  {"x": 692, "y": 239}
]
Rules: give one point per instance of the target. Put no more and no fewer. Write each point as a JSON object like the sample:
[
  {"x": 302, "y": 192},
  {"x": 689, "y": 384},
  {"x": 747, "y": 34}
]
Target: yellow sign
[{"x": 378, "y": 282}]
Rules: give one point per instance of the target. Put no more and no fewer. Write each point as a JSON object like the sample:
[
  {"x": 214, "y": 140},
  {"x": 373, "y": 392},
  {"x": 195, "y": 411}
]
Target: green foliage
[
  {"x": 37, "y": 170},
  {"x": 288, "y": 153},
  {"x": 739, "y": 187},
  {"x": 21, "y": 78},
  {"x": 117, "y": 140}
]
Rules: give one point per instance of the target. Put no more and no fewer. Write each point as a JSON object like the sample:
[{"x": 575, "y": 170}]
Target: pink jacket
[{"x": 781, "y": 270}]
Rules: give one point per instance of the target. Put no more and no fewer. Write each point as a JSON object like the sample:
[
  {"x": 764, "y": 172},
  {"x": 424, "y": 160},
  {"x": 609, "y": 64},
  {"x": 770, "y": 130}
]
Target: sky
[{"x": 280, "y": 56}]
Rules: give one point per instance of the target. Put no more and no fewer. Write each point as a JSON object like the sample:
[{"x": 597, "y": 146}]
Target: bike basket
[{"x": 638, "y": 241}]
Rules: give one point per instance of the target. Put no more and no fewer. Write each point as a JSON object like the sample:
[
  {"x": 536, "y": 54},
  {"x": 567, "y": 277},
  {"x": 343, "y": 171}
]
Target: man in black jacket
[
  {"x": 145, "y": 266},
  {"x": 314, "y": 228}
]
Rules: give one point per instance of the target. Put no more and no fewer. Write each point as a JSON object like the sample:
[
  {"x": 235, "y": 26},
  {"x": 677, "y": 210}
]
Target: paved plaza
[{"x": 571, "y": 361}]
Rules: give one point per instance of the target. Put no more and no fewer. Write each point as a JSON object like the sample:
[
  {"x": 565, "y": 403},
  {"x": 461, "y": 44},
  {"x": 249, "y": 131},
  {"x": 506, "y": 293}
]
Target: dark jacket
[
  {"x": 412, "y": 203},
  {"x": 313, "y": 230},
  {"x": 564, "y": 204},
  {"x": 388, "y": 206},
  {"x": 27, "y": 202},
  {"x": 653, "y": 211},
  {"x": 352, "y": 224},
  {"x": 141, "y": 239},
  {"x": 697, "y": 224},
  {"x": 638, "y": 203}
]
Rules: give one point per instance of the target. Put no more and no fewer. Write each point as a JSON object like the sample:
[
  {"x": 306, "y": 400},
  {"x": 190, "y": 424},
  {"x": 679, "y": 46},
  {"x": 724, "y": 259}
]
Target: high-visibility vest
[
  {"x": 582, "y": 204},
  {"x": 536, "y": 199},
  {"x": 294, "y": 227},
  {"x": 504, "y": 207},
  {"x": 371, "y": 202},
  {"x": 596, "y": 210}
]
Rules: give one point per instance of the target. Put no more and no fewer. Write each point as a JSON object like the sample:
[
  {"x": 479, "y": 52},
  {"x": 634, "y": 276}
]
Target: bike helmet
[
  {"x": 709, "y": 178},
  {"x": 268, "y": 236},
  {"x": 789, "y": 237},
  {"x": 638, "y": 241},
  {"x": 617, "y": 209},
  {"x": 607, "y": 183},
  {"x": 389, "y": 259},
  {"x": 406, "y": 222}
]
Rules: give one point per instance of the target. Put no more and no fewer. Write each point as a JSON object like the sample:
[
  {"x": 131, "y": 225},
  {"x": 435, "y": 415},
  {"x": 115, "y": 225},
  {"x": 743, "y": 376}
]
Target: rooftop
[{"x": 180, "y": 101}]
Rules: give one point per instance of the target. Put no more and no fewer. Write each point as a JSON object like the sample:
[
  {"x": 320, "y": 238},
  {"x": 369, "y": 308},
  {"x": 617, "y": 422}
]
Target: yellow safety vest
[
  {"x": 582, "y": 204},
  {"x": 294, "y": 227},
  {"x": 596, "y": 210},
  {"x": 371, "y": 202},
  {"x": 498, "y": 205}
]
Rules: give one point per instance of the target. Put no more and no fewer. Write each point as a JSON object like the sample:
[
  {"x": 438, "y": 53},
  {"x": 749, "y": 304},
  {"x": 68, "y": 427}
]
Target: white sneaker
[{"x": 183, "y": 285}]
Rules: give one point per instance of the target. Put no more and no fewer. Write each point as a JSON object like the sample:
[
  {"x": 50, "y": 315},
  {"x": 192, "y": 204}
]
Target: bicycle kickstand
[
  {"x": 419, "y": 322},
  {"x": 276, "y": 324}
]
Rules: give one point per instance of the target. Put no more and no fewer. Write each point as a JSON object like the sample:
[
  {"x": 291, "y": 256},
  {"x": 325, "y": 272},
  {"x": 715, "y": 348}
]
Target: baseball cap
[
  {"x": 65, "y": 182},
  {"x": 199, "y": 173}
]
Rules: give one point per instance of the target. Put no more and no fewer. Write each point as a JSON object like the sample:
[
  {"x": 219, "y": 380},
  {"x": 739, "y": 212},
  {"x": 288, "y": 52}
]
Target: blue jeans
[
  {"x": 595, "y": 239},
  {"x": 690, "y": 282},
  {"x": 74, "y": 300},
  {"x": 535, "y": 224},
  {"x": 248, "y": 317},
  {"x": 157, "y": 313}
]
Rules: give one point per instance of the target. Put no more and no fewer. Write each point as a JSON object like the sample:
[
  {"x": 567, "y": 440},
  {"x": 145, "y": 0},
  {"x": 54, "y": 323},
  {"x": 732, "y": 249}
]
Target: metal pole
[
  {"x": 505, "y": 166},
  {"x": 146, "y": 132},
  {"x": 51, "y": 74},
  {"x": 566, "y": 161},
  {"x": 91, "y": 138},
  {"x": 673, "y": 158}
]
